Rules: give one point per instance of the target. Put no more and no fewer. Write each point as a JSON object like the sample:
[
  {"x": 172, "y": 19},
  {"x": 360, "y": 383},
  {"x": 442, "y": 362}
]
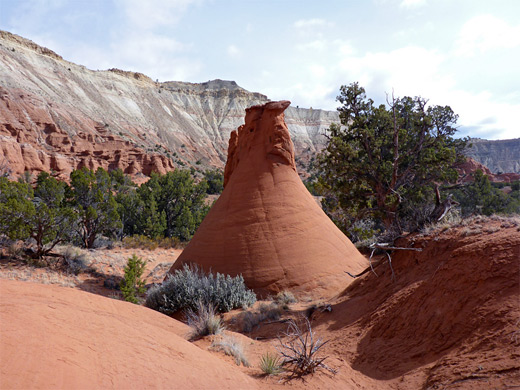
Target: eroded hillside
[{"x": 59, "y": 115}]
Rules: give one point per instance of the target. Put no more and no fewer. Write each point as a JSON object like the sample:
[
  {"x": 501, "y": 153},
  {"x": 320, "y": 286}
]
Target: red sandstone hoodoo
[{"x": 266, "y": 225}]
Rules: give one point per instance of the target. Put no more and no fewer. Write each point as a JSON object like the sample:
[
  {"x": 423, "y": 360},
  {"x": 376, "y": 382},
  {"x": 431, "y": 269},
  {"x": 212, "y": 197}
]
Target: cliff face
[
  {"x": 57, "y": 115},
  {"x": 500, "y": 156}
]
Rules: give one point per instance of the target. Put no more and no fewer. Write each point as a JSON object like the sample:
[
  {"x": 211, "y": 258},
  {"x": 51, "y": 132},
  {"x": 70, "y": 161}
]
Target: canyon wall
[
  {"x": 58, "y": 115},
  {"x": 500, "y": 156}
]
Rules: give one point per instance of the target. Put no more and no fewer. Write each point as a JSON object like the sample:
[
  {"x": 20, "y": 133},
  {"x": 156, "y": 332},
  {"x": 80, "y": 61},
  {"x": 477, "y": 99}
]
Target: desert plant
[
  {"x": 132, "y": 284},
  {"x": 203, "y": 321},
  {"x": 75, "y": 259},
  {"x": 189, "y": 286},
  {"x": 249, "y": 321},
  {"x": 301, "y": 350},
  {"x": 94, "y": 203},
  {"x": 285, "y": 298},
  {"x": 231, "y": 347},
  {"x": 140, "y": 241},
  {"x": 271, "y": 364}
]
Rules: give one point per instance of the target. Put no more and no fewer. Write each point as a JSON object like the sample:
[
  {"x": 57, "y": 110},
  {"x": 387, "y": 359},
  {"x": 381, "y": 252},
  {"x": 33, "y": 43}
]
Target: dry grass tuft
[
  {"x": 204, "y": 321},
  {"x": 271, "y": 364},
  {"x": 251, "y": 320},
  {"x": 49, "y": 277},
  {"x": 231, "y": 347}
]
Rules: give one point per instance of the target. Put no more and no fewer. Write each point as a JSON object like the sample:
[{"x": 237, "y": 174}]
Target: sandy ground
[{"x": 450, "y": 319}]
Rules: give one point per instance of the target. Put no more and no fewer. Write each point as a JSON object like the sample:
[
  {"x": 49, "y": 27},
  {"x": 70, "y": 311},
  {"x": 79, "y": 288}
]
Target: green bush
[
  {"x": 132, "y": 284},
  {"x": 189, "y": 286}
]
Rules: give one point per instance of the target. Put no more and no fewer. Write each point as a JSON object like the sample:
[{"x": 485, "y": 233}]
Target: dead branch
[
  {"x": 386, "y": 247},
  {"x": 301, "y": 350}
]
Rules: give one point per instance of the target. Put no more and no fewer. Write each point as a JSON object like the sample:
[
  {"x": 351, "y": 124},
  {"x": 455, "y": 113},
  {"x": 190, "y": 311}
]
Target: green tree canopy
[
  {"x": 40, "y": 214},
  {"x": 53, "y": 221},
  {"x": 95, "y": 204},
  {"x": 16, "y": 209},
  {"x": 179, "y": 199},
  {"x": 215, "y": 180},
  {"x": 481, "y": 197},
  {"x": 383, "y": 162}
]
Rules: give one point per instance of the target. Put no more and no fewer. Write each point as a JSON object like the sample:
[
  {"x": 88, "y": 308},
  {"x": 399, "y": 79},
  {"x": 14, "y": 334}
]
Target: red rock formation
[
  {"x": 266, "y": 225},
  {"x": 32, "y": 139},
  {"x": 470, "y": 166}
]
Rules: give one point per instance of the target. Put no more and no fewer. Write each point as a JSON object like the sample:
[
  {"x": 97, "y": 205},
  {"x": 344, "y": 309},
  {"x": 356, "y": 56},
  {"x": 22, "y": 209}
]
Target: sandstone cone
[{"x": 266, "y": 225}]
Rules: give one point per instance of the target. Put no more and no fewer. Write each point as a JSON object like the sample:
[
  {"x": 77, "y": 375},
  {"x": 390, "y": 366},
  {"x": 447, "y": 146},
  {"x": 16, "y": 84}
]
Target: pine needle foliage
[{"x": 132, "y": 284}]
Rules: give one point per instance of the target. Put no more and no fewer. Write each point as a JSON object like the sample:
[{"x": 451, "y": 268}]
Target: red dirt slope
[
  {"x": 54, "y": 337},
  {"x": 451, "y": 319}
]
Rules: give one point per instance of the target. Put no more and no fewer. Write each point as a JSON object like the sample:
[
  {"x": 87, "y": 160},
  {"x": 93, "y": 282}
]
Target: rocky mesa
[{"x": 57, "y": 115}]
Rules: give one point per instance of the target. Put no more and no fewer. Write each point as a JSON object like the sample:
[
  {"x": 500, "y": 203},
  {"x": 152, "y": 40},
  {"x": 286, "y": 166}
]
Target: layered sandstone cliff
[
  {"x": 500, "y": 156},
  {"x": 58, "y": 115}
]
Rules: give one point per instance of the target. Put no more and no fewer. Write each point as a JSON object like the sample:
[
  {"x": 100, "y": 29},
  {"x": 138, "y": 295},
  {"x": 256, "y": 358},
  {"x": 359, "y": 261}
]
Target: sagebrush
[{"x": 187, "y": 287}]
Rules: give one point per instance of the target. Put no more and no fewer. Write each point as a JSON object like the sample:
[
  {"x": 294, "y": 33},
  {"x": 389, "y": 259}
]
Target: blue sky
[{"x": 462, "y": 53}]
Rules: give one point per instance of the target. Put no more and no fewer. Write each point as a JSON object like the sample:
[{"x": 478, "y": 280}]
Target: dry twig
[{"x": 301, "y": 350}]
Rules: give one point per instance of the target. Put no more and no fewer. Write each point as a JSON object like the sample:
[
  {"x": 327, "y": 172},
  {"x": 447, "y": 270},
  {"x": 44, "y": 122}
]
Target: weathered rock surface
[
  {"x": 500, "y": 156},
  {"x": 266, "y": 225},
  {"x": 470, "y": 166},
  {"x": 57, "y": 115}
]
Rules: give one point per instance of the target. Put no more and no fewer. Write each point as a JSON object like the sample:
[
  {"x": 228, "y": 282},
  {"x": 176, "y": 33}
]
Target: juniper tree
[{"x": 383, "y": 162}]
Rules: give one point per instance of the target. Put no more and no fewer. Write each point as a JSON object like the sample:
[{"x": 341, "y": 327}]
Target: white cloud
[
  {"x": 484, "y": 33},
  {"x": 151, "y": 14},
  {"x": 412, "y": 3},
  {"x": 305, "y": 23},
  {"x": 233, "y": 51}
]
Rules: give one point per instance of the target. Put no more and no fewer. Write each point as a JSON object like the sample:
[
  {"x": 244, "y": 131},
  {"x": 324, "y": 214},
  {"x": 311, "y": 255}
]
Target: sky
[{"x": 461, "y": 53}]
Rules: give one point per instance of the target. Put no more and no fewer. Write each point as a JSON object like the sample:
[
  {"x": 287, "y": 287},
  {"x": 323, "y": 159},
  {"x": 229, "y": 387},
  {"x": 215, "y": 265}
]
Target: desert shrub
[
  {"x": 203, "y": 321},
  {"x": 273, "y": 312},
  {"x": 14, "y": 249},
  {"x": 215, "y": 181},
  {"x": 270, "y": 364},
  {"x": 189, "y": 286},
  {"x": 140, "y": 241},
  {"x": 170, "y": 243},
  {"x": 75, "y": 259},
  {"x": 285, "y": 298},
  {"x": 132, "y": 284},
  {"x": 301, "y": 350},
  {"x": 249, "y": 320},
  {"x": 231, "y": 347}
]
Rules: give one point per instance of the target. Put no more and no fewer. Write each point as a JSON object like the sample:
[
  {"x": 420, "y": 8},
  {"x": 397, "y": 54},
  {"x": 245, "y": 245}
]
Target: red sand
[
  {"x": 59, "y": 338},
  {"x": 450, "y": 320}
]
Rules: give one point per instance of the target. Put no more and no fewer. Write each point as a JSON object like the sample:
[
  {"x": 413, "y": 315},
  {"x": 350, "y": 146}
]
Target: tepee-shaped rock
[{"x": 266, "y": 225}]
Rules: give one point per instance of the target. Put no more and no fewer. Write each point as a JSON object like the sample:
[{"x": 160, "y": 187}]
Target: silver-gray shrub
[{"x": 186, "y": 288}]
